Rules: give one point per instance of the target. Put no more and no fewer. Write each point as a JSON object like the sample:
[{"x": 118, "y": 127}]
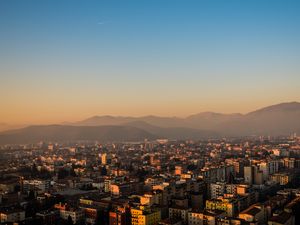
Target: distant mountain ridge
[
  {"x": 284, "y": 107},
  {"x": 280, "y": 119},
  {"x": 64, "y": 133}
]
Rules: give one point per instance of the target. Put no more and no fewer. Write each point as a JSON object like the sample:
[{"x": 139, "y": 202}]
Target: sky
[{"x": 66, "y": 60}]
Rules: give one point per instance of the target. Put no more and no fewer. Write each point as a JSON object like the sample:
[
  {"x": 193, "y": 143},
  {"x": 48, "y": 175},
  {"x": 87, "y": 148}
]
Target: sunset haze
[{"x": 70, "y": 60}]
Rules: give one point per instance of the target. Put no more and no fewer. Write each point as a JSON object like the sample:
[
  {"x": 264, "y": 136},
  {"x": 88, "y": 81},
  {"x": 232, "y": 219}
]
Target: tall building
[
  {"x": 258, "y": 176},
  {"x": 253, "y": 175},
  {"x": 217, "y": 189},
  {"x": 264, "y": 167},
  {"x": 248, "y": 174},
  {"x": 104, "y": 159}
]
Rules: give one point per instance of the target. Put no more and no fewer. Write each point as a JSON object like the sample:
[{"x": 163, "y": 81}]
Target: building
[
  {"x": 76, "y": 214},
  {"x": 281, "y": 178},
  {"x": 255, "y": 213},
  {"x": 120, "y": 216},
  {"x": 264, "y": 167},
  {"x": 228, "y": 205},
  {"x": 283, "y": 218},
  {"x": 9, "y": 185},
  {"x": 179, "y": 212},
  {"x": 104, "y": 159},
  {"x": 41, "y": 185},
  {"x": 107, "y": 184},
  {"x": 217, "y": 189},
  {"x": 258, "y": 177},
  {"x": 169, "y": 221},
  {"x": 145, "y": 216},
  {"x": 207, "y": 217},
  {"x": 178, "y": 170},
  {"x": 12, "y": 215},
  {"x": 117, "y": 218},
  {"x": 123, "y": 189},
  {"x": 248, "y": 174},
  {"x": 48, "y": 217},
  {"x": 154, "y": 197},
  {"x": 196, "y": 199}
]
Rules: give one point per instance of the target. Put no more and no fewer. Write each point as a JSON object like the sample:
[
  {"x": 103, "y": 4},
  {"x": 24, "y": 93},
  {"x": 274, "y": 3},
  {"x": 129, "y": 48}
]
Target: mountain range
[{"x": 280, "y": 119}]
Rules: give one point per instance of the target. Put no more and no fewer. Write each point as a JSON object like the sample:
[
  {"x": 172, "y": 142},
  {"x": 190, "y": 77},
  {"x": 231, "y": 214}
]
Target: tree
[
  {"x": 141, "y": 173},
  {"x": 34, "y": 170},
  {"x": 191, "y": 167},
  {"x": 31, "y": 195},
  {"x": 17, "y": 188},
  {"x": 72, "y": 172},
  {"x": 103, "y": 171},
  {"x": 70, "y": 221},
  {"x": 62, "y": 173}
]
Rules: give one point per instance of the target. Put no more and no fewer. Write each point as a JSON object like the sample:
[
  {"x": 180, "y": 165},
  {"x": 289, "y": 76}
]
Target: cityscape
[
  {"x": 252, "y": 180},
  {"x": 140, "y": 112}
]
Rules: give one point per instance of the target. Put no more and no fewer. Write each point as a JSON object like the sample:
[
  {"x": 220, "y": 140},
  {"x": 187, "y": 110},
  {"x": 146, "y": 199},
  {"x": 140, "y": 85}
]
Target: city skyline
[{"x": 66, "y": 61}]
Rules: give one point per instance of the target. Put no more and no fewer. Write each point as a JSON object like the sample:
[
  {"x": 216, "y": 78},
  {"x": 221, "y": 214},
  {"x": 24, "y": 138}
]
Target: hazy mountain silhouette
[
  {"x": 111, "y": 120},
  {"x": 280, "y": 119},
  {"x": 104, "y": 120},
  {"x": 62, "y": 133},
  {"x": 211, "y": 120},
  {"x": 3, "y": 126},
  {"x": 174, "y": 132},
  {"x": 6, "y": 126}
]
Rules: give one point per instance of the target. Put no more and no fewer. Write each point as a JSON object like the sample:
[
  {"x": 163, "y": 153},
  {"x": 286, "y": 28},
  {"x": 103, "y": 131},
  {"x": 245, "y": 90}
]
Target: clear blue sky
[{"x": 62, "y": 60}]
